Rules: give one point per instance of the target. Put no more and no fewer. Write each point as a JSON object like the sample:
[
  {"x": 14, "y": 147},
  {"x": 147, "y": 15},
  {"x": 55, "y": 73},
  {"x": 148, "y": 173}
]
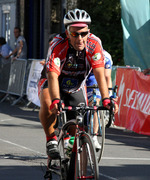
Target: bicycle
[
  {"x": 101, "y": 124},
  {"x": 83, "y": 163}
]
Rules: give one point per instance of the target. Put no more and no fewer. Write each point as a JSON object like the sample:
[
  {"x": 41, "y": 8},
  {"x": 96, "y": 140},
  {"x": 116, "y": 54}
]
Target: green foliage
[{"x": 106, "y": 24}]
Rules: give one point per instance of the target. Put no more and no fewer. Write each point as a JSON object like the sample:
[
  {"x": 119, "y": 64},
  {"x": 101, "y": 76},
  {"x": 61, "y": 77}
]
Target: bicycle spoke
[{"x": 88, "y": 168}]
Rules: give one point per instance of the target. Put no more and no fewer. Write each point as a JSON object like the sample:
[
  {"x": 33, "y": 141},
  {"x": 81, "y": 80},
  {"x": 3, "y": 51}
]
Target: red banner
[{"x": 133, "y": 101}]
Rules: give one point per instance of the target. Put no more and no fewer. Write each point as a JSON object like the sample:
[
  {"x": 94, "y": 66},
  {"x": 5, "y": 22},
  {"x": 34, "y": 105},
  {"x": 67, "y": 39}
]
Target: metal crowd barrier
[
  {"x": 114, "y": 69},
  {"x": 4, "y": 76},
  {"x": 13, "y": 78}
]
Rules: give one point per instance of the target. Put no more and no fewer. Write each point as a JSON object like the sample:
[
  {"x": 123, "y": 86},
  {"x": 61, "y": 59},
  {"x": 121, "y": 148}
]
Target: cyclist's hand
[
  {"x": 115, "y": 104},
  {"x": 56, "y": 106},
  {"x": 116, "y": 108},
  {"x": 108, "y": 103},
  {"x": 43, "y": 62},
  {"x": 115, "y": 99}
]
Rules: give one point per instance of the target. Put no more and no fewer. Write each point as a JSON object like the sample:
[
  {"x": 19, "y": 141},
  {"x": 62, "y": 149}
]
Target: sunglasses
[{"x": 76, "y": 34}]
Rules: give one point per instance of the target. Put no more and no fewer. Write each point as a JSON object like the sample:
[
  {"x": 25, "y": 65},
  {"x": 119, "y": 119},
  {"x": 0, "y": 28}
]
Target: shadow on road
[
  {"x": 19, "y": 111},
  {"x": 128, "y": 138},
  {"x": 126, "y": 172}
]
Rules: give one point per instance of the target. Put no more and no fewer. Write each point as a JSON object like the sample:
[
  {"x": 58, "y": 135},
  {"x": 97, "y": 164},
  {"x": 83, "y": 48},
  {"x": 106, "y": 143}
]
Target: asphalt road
[{"x": 22, "y": 149}]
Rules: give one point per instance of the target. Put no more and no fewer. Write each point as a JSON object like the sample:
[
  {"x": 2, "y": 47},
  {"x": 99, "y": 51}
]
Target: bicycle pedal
[
  {"x": 48, "y": 174},
  {"x": 58, "y": 157},
  {"x": 65, "y": 161},
  {"x": 55, "y": 167},
  {"x": 55, "y": 171}
]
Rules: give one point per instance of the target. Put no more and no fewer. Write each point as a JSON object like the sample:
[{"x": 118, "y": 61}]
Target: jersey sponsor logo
[
  {"x": 107, "y": 66},
  {"x": 69, "y": 83},
  {"x": 96, "y": 56},
  {"x": 57, "y": 62}
]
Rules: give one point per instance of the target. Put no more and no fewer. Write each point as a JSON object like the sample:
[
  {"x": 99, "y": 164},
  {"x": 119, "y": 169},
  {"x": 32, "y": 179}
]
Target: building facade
[{"x": 37, "y": 20}]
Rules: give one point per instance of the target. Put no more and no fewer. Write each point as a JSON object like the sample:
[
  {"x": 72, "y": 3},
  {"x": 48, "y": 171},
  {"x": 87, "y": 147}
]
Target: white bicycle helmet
[{"x": 76, "y": 16}]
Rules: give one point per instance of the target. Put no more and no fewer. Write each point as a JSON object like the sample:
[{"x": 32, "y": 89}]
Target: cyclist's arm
[
  {"x": 108, "y": 77},
  {"x": 100, "y": 78},
  {"x": 53, "y": 85},
  {"x": 20, "y": 48}
]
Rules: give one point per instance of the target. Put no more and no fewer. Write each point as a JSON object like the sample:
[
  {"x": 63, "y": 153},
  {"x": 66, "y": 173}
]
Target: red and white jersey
[{"x": 73, "y": 66}]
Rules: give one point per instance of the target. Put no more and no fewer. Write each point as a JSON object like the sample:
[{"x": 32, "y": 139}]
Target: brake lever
[
  {"x": 59, "y": 118},
  {"x": 112, "y": 104}
]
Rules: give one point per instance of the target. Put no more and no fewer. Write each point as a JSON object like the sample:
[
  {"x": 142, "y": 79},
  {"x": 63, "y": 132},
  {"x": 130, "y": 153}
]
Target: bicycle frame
[{"x": 80, "y": 133}]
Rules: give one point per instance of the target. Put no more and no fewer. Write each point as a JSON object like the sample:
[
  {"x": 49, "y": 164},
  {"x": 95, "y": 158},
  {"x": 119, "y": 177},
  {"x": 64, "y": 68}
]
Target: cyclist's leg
[
  {"x": 95, "y": 127},
  {"x": 73, "y": 99},
  {"x": 95, "y": 122},
  {"x": 91, "y": 81},
  {"x": 48, "y": 120}
]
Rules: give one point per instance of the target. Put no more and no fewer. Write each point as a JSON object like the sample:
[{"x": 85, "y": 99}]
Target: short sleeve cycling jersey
[
  {"x": 74, "y": 66},
  {"x": 107, "y": 60}
]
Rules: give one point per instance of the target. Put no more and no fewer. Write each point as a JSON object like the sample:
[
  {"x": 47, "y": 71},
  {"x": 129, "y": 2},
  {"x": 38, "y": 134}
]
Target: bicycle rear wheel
[
  {"x": 106, "y": 116},
  {"x": 100, "y": 133},
  {"x": 86, "y": 165}
]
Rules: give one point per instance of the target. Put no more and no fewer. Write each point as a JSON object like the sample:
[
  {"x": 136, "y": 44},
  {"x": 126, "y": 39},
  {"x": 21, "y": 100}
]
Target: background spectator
[
  {"x": 5, "y": 50},
  {"x": 146, "y": 71},
  {"x": 20, "y": 50}
]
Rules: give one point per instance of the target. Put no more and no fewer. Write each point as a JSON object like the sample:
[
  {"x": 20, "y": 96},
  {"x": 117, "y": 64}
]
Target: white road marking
[
  {"x": 23, "y": 147},
  {"x": 121, "y": 158},
  {"x": 35, "y": 122},
  {"x": 133, "y": 137},
  {"x": 24, "y": 116},
  {"x": 6, "y": 120},
  {"x": 105, "y": 158}
]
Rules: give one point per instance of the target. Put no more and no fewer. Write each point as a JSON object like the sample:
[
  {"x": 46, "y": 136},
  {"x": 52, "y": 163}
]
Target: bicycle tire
[
  {"x": 65, "y": 168},
  {"x": 86, "y": 157},
  {"x": 106, "y": 116},
  {"x": 100, "y": 133},
  {"x": 64, "y": 163}
]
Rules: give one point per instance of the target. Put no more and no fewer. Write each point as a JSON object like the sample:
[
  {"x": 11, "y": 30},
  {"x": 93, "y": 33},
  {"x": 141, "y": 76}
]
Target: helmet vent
[
  {"x": 72, "y": 15},
  {"x": 83, "y": 14},
  {"x": 67, "y": 16},
  {"x": 78, "y": 14}
]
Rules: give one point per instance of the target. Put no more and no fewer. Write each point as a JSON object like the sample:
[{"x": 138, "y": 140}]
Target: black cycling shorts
[{"x": 73, "y": 99}]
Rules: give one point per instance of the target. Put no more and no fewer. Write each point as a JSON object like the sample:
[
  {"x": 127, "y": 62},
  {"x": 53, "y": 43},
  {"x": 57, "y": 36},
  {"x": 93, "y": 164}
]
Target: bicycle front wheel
[{"x": 86, "y": 165}]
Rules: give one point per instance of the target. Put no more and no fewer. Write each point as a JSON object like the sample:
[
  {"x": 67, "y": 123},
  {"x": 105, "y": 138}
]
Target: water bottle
[
  {"x": 70, "y": 146},
  {"x": 66, "y": 141}
]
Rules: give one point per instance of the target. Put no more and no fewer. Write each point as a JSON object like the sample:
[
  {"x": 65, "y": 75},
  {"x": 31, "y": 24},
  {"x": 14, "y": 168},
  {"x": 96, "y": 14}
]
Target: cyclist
[
  {"x": 91, "y": 81},
  {"x": 73, "y": 55},
  {"x": 43, "y": 93}
]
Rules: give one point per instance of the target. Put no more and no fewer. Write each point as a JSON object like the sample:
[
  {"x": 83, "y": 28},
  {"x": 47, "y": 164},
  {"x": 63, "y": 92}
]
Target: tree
[{"x": 106, "y": 24}]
